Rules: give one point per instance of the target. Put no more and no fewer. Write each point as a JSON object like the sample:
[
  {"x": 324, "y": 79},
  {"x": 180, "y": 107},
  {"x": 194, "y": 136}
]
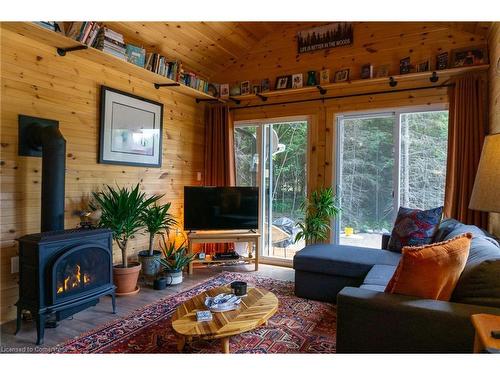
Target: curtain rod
[{"x": 344, "y": 96}]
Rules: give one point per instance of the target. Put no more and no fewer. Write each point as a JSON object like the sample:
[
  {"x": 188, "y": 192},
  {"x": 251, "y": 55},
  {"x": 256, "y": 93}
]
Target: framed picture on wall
[
  {"x": 424, "y": 66},
  {"x": 265, "y": 85},
  {"x": 342, "y": 75},
  {"x": 382, "y": 71},
  {"x": 404, "y": 66},
  {"x": 324, "y": 77},
  {"x": 469, "y": 56},
  {"x": 245, "y": 87},
  {"x": 283, "y": 82},
  {"x": 442, "y": 61},
  {"x": 297, "y": 81},
  {"x": 224, "y": 90},
  {"x": 131, "y": 129}
]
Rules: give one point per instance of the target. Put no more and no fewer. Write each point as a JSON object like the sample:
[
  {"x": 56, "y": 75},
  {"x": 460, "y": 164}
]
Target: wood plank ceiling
[
  {"x": 204, "y": 47},
  {"x": 208, "y": 48}
]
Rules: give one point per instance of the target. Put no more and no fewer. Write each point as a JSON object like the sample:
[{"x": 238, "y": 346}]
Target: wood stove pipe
[
  {"x": 43, "y": 135},
  {"x": 53, "y": 178}
]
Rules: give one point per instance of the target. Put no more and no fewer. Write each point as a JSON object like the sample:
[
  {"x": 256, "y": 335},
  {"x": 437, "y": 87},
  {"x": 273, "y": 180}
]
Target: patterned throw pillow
[{"x": 414, "y": 227}]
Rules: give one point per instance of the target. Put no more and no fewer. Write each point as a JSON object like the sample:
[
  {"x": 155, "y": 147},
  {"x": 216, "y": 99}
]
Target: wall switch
[
  {"x": 14, "y": 265},
  {"x": 198, "y": 176}
]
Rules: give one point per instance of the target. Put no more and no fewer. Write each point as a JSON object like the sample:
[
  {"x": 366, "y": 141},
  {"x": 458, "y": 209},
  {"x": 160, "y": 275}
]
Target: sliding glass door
[
  {"x": 273, "y": 155},
  {"x": 387, "y": 160}
]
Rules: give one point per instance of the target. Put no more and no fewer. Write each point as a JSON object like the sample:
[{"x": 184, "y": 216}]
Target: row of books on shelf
[
  {"x": 173, "y": 69},
  {"x": 97, "y": 36},
  {"x": 110, "y": 42},
  {"x": 161, "y": 65},
  {"x": 102, "y": 38},
  {"x": 192, "y": 80},
  {"x": 51, "y": 25},
  {"x": 83, "y": 32}
]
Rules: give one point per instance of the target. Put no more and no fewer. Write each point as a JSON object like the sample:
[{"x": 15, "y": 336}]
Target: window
[
  {"x": 282, "y": 176},
  {"x": 387, "y": 160},
  {"x": 424, "y": 146}
]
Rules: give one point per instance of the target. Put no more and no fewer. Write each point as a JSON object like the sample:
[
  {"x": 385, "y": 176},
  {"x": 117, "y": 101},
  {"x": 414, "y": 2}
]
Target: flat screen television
[{"x": 221, "y": 208}]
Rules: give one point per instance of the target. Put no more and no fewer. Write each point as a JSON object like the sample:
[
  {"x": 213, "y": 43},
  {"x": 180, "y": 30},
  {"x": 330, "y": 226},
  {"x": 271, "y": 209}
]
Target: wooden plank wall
[
  {"x": 37, "y": 82},
  {"x": 376, "y": 43},
  {"x": 494, "y": 86}
]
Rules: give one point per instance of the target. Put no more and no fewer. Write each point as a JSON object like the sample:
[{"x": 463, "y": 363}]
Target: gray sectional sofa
[{"x": 371, "y": 321}]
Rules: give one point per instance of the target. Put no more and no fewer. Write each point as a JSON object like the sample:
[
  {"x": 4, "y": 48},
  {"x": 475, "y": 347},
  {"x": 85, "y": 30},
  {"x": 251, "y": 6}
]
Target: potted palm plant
[
  {"x": 121, "y": 209},
  {"x": 175, "y": 258},
  {"x": 319, "y": 210},
  {"x": 156, "y": 220}
]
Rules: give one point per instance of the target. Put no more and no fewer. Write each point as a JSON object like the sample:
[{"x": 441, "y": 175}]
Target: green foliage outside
[
  {"x": 368, "y": 167},
  {"x": 289, "y": 177},
  {"x": 424, "y": 153},
  {"x": 289, "y": 166}
]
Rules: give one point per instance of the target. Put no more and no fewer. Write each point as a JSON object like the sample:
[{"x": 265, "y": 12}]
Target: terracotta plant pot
[{"x": 125, "y": 279}]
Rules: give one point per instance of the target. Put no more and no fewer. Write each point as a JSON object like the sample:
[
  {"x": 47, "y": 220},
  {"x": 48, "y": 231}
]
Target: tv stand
[{"x": 224, "y": 237}]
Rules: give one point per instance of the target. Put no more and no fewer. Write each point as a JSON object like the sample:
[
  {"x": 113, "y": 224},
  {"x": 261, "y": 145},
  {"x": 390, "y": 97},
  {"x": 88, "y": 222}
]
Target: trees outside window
[
  {"x": 283, "y": 148},
  {"x": 386, "y": 161}
]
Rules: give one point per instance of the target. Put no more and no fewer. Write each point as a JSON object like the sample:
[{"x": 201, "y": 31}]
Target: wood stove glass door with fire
[{"x": 81, "y": 270}]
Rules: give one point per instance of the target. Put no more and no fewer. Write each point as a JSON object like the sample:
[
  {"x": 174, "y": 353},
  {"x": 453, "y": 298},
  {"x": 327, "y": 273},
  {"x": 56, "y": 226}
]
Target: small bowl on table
[{"x": 239, "y": 288}]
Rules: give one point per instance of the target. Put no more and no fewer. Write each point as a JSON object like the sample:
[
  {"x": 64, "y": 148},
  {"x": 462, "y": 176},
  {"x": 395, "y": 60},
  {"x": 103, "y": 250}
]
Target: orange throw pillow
[{"x": 431, "y": 271}]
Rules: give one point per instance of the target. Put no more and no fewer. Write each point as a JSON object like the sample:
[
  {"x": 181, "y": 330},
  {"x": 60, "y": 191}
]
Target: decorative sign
[{"x": 328, "y": 36}]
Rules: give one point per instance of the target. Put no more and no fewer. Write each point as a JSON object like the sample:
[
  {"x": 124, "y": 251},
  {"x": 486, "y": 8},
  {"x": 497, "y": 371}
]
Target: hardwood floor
[{"x": 101, "y": 313}]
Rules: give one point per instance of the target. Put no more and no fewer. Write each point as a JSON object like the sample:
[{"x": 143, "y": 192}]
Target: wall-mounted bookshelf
[
  {"x": 411, "y": 80},
  {"x": 59, "y": 40}
]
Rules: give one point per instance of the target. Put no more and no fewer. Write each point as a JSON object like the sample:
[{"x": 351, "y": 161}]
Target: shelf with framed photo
[
  {"x": 344, "y": 86},
  {"x": 62, "y": 42}
]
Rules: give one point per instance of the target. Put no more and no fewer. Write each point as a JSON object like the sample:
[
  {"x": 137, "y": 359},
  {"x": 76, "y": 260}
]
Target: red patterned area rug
[{"x": 299, "y": 326}]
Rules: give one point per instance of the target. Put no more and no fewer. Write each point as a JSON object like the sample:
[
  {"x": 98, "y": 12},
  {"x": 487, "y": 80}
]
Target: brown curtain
[
  {"x": 219, "y": 155},
  {"x": 468, "y": 124},
  {"x": 219, "y": 146}
]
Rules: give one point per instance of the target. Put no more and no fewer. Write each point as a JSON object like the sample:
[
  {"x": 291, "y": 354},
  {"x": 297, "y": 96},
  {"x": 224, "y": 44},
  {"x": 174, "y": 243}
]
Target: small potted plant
[
  {"x": 156, "y": 220},
  {"x": 319, "y": 210},
  {"x": 175, "y": 258},
  {"x": 121, "y": 209}
]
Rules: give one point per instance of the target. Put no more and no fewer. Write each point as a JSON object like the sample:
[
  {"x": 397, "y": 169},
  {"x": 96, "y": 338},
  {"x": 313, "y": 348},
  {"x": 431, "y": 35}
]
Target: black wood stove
[{"x": 61, "y": 271}]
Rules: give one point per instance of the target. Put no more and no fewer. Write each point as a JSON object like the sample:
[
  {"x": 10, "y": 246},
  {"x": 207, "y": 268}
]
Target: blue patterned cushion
[{"x": 414, "y": 227}]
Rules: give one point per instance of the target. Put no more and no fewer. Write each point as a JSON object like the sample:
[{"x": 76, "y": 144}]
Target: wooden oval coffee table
[{"x": 255, "y": 309}]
